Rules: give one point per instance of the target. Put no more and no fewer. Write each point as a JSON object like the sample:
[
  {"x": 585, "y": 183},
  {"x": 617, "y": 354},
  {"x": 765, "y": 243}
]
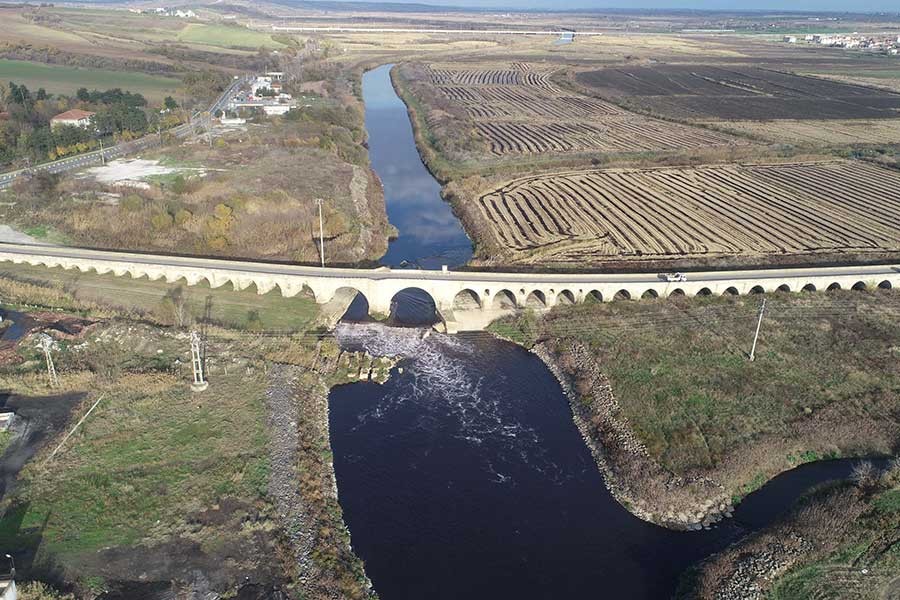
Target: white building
[{"x": 75, "y": 117}]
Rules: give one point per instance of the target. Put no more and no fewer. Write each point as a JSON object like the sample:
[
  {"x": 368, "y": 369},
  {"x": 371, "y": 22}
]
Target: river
[
  {"x": 464, "y": 475},
  {"x": 430, "y": 234}
]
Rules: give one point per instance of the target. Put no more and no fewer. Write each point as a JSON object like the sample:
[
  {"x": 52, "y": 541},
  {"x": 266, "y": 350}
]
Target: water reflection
[{"x": 430, "y": 234}]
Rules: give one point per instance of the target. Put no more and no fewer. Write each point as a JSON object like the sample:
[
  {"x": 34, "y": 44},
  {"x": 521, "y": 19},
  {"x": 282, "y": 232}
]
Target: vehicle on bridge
[{"x": 674, "y": 277}]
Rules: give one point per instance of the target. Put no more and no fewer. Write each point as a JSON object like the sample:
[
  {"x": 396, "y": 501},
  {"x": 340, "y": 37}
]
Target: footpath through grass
[{"x": 825, "y": 382}]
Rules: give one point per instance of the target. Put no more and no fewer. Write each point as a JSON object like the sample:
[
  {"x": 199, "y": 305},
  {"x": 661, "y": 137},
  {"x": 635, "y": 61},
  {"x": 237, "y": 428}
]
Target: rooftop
[{"x": 76, "y": 114}]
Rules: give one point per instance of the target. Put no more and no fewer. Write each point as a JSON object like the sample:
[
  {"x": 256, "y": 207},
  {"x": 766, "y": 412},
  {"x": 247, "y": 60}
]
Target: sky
[{"x": 892, "y": 6}]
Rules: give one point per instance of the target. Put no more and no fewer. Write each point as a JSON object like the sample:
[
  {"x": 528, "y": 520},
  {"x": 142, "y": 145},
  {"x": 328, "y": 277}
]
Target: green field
[
  {"x": 58, "y": 79},
  {"x": 226, "y": 36}
]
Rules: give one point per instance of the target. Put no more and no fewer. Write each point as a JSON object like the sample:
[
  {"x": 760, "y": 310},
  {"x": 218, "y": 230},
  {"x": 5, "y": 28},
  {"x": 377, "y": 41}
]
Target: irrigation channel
[{"x": 464, "y": 476}]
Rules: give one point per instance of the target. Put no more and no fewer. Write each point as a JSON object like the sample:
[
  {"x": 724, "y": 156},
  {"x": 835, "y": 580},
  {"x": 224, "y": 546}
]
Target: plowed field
[
  {"x": 519, "y": 110},
  {"x": 706, "y": 92},
  {"x": 586, "y": 217}
]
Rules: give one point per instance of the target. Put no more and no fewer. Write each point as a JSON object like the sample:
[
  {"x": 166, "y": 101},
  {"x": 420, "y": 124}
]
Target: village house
[{"x": 75, "y": 117}]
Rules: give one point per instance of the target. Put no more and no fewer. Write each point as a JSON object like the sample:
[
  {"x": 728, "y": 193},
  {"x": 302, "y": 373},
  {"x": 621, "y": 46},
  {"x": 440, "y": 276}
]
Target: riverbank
[
  {"x": 841, "y": 541},
  {"x": 634, "y": 478},
  {"x": 236, "y": 483},
  {"x": 684, "y": 426}
]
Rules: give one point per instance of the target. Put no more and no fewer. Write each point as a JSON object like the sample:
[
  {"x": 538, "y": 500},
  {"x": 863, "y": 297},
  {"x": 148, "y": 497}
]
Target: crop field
[
  {"x": 586, "y": 217},
  {"x": 226, "y": 37},
  {"x": 519, "y": 110},
  {"x": 65, "y": 80},
  {"x": 705, "y": 92},
  {"x": 817, "y": 133}
]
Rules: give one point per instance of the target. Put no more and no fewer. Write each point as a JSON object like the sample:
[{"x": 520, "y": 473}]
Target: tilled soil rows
[
  {"x": 796, "y": 208},
  {"x": 519, "y": 110}
]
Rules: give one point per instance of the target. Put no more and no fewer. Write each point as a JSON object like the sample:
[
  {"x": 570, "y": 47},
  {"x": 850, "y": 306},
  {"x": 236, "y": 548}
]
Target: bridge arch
[
  {"x": 885, "y": 285},
  {"x": 622, "y": 295},
  {"x": 730, "y": 291},
  {"x": 565, "y": 298},
  {"x": 757, "y": 289},
  {"x": 593, "y": 296},
  {"x": 355, "y": 303},
  {"x": 504, "y": 299},
  {"x": 536, "y": 299},
  {"x": 704, "y": 292},
  {"x": 808, "y": 288},
  {"x": 676, "y": 293},
  {"x": 467, "y": 299},
  {"x": 859, "y": 286},
  {"x": 834, "y": 286},
  {"x": 650, "y": 294},
  {"x": 783, "y": 288},
  {"x": 413, "y": 306}
]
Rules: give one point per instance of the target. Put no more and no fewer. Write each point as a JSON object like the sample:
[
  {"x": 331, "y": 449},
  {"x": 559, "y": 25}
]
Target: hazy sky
[{"x": 810, "y": 5}]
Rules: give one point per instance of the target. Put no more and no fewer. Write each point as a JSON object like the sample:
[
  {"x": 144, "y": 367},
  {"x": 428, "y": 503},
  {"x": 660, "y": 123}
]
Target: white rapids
[{"x": 442, "y": 379}]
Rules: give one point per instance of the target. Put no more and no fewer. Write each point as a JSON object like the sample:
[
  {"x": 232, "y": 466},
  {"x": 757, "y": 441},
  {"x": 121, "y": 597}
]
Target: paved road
[
  {"x": 92, "y": 158},
  {"x": 383, "y": 273}
]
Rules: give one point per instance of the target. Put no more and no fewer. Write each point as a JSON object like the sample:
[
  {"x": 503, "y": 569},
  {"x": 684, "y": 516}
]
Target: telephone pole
[
  {"x": 102, "y": 157},
  {"x": 762, "y": 309},
  {"x": 199, "y": 383},
  {"x": 46, "y": 343},
  {"x": 321, "y": 233}
]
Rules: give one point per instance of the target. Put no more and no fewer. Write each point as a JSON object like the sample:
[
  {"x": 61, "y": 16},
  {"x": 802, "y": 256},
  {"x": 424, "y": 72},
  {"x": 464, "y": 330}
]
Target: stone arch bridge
[{"x": 465, "y": 300}]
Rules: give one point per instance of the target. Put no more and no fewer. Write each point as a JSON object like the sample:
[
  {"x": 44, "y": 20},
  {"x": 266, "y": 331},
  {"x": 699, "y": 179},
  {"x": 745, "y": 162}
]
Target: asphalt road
[{"x": 92, "y": 158}]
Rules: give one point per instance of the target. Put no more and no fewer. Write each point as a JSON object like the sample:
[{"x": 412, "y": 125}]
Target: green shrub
[
  {"x": 161, "y": 220},
  {"x": 183, "y": 216},
  {"x": 132, "y": 203}
]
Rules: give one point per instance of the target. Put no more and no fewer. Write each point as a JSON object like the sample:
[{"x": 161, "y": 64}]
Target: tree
[
  {"x": 41, "y": 94},
  {"x": 170, "y": 103},
  {"x": 176, "y": 304},
  {"x": 83, "y": 95}
]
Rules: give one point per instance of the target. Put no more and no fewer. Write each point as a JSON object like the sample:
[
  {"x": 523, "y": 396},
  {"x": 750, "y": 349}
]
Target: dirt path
[{"x": 282, "y": 415}]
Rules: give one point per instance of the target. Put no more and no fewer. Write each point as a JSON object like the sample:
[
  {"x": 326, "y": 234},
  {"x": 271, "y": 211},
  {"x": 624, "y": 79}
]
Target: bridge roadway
[{"x": 465, "y": 300}]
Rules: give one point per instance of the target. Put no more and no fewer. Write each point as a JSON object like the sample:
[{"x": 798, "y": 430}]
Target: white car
[{"x": 675, "y": 277}]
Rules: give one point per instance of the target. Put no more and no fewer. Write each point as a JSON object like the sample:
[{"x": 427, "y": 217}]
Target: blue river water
[{"x": 430, "y": 234}]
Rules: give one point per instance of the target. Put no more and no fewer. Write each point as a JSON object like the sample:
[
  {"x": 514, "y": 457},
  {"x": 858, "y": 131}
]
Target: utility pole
[
  {"x": 199, "y": 383},
  {"x": 46, "y": 343},
  {"x": 762, "y": 309},
  {"x": 208, "y": 120},
  {"x": 102, "y": 158},
  {"x": 321, "y": 233}
]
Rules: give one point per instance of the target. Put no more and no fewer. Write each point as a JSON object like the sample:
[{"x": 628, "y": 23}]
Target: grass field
[
  {"x": 143, "y": 461},
  {"x": 226, "y": 36},
  {"x": 58, "y": 79}
]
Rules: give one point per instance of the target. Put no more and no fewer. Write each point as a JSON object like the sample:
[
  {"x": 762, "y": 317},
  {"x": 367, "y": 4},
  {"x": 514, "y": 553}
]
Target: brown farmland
[
  {"x": 594, "y": 216},
  {"x": 706, "y": 92},
  {"x": 517, "y": 109}
]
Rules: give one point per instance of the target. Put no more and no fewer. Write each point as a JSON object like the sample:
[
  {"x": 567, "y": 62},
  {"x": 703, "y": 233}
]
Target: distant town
[{"x": 882, "y": 44}]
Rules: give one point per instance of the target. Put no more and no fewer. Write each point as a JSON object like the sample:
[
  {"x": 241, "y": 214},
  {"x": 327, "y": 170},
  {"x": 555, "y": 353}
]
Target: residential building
[{"x": 75, "y": 117}]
